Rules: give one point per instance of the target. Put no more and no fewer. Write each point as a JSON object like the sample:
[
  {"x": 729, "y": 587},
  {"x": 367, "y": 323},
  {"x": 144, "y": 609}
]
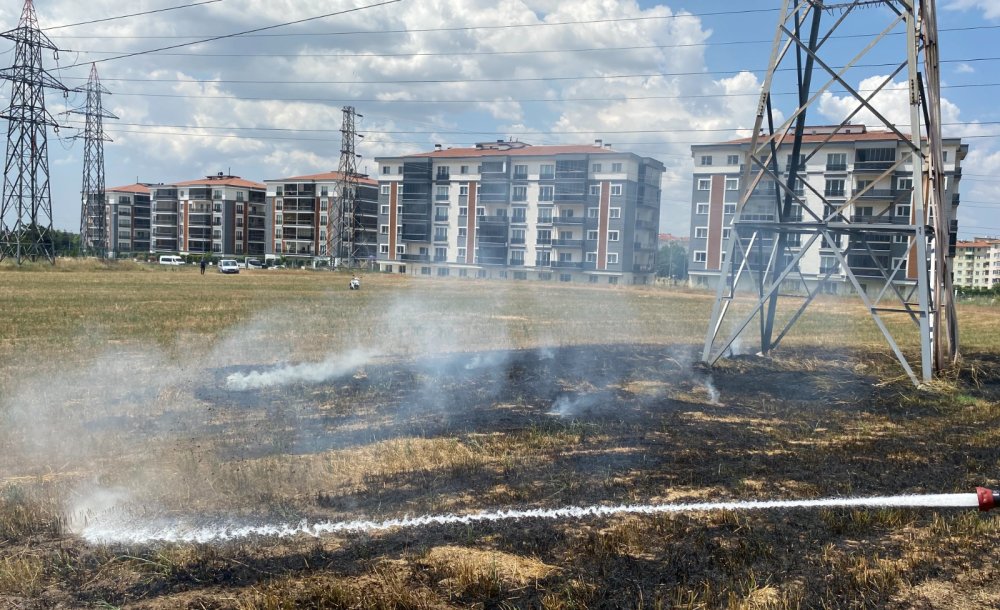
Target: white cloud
[
  {"x": 990, "y": 8},
  {"x": 964, "y": 68}
]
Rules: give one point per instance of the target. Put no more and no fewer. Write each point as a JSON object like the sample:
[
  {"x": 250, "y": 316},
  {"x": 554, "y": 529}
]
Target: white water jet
[{"x": 121, "y": 532}]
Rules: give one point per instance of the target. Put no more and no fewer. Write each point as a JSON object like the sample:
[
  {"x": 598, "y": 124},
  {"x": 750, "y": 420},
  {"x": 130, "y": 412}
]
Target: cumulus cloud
[{"x": 990, "y": 8}]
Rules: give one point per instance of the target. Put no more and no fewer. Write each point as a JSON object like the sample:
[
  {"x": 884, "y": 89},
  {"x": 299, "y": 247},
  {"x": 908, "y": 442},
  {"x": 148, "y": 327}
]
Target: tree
[{"x": 671, "y": 261}]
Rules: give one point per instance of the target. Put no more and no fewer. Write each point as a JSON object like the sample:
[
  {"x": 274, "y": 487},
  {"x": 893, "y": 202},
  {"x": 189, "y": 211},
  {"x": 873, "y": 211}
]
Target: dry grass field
[{"x": 134, "y": 394}]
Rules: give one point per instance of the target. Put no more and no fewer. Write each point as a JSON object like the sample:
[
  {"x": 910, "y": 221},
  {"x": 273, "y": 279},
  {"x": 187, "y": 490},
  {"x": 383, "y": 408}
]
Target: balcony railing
[
  {"x": 836, "y": 167},
  {"x": 568, "y": 243},
  {"x": 567, "y": 220},
  {"x": 567, "y": 265},
  {"x": 544, "y": 220},
  {"x": 440, "y": 218},
  {"x": 417, "y": 258}
]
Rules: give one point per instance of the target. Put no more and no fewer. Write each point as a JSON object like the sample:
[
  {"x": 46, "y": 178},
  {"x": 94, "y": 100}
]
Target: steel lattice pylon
[
  {"x": 775, "y": 226},
  {"x": 26, "y": 210},
  {"x": 94, "y": 238},
  {"x": 343, "y": 222}
]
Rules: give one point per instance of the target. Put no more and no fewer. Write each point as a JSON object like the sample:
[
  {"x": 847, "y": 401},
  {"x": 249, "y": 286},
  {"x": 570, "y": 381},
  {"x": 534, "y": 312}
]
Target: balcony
[
  {"x": 644, "y": 224},
  {"x": 836, "y": 167},
  {"x": 441, "y": 238},
  {"x": 882, "y": 193},
  {"x": 440, "y": 218},
  {"x": 440, "y": 259},
  {"x": 873, "y": 166},
  {"x": 518, "y": 220},
  {"x": 492, "y": 220},
  {"x": 544, "y": 220},
  {"x": 642, "y": 268},
  {"x": 415, "y": 258},
  {"x": 520, "y": 175},
  {"x": 568, "y": 243},
  {"x": 834, "y": 192},
  {"x": 567, "y": 265},
  {"x": 567, "y": 220},
  {"x": 517, "y": 241}
]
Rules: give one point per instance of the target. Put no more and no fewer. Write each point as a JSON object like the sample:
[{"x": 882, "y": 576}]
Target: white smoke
[{"x": 334, "y": 365}]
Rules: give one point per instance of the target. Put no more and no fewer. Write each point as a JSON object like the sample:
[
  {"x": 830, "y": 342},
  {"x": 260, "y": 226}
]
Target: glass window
[
  {"x": 616, "y": 190},
  {"x": 704, "y": 184},
  {"x": 706, "y": 159}
]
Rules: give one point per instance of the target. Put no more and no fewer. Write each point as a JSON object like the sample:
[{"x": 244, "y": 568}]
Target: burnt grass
[{"x": 639, "y": 425}]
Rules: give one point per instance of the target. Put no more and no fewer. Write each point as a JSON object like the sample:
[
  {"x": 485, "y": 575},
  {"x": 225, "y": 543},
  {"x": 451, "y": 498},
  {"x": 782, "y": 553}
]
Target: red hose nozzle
[{"x": 987, "y": 498}]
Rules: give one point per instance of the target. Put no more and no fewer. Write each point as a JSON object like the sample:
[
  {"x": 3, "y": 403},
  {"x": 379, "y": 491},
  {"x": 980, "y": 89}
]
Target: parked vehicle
[
  {"x": 171, "y": 260},
  {"x": 229, "y": 265},
  {"x": 254, "y": 263}
]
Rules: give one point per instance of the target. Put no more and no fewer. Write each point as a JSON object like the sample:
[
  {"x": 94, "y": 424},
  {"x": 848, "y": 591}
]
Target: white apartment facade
[{"x": 977, "y": 263}]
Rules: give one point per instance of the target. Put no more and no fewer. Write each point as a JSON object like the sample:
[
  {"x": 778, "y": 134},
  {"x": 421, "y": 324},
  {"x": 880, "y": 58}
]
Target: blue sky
[{"x": 269, "y": 106}]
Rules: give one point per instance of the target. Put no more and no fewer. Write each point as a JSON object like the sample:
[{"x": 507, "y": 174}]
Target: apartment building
[
  {"x": 977, "y": 263},
  {"x": 851, "y": 165},
  {"x": 301, "y": 216},
  {"x": 221, "y": 215},
  {"x": 127, "y": 220},
  {"x": 510, "y": 210}
]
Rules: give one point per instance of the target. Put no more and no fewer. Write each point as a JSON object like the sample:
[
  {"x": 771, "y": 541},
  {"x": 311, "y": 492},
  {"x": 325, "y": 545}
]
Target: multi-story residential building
[
  {"x": 509, "y": 210},
  {"x": 977, "y": 263},
  {"x": 220, "y": 215},
  {"x": 301, "y": 211},
  {"x": 853, "y": 161},
  {"x": 127, "y": 220}
]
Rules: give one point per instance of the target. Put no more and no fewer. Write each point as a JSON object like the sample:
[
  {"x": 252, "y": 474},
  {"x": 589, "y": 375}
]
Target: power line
[
  {"x": 479, "y": 80},
  {"x": 243, "y": 33},
  {"x": 495, "y": 132},
  {"x": 338, "y": 101},
  {"x": 159, "y": 10},
  {"x": 467, "y": 28},
  {"x": 531, "y": 52}
]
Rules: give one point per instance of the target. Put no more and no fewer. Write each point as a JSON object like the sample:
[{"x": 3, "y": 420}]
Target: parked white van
[
  {"x": 229, "y": 265},
  {"x": 171, "y": 260}
]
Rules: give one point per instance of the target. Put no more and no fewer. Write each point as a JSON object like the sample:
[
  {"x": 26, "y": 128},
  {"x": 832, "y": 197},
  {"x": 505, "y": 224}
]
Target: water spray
[{"x": 119, "y": 531}]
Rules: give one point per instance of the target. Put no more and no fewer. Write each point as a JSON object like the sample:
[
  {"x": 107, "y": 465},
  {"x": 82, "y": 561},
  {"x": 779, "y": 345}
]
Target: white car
[
  {"x": 229, "y": 265},
  {"x": 171, "y": 260}
]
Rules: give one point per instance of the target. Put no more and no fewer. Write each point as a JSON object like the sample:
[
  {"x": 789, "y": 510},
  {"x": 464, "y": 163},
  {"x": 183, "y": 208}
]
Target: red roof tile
[
  {"x": 227, "y": 181},
  {"x": 132, "y": 188},
  {"x": 324, "y": 177},
  {"x": 527, "y": 151}
]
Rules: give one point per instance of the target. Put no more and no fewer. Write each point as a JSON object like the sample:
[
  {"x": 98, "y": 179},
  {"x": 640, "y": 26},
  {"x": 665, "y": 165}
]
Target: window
[
  {"x": 616, "y": 168},
  {"x": 463, "y": 190},
  {"x": 517, "y": 236},
  {"x": 440, "y": 233},
  {"x": 441, "y": 193},
  {"x": 383, "y": 249},
  {"x": 480, "y": 211},
  {"x": 463, "y": 232},
  {"x": 399, "y": 170},
  {"x": 520, "y": 193},
  {"x": 217, "y": 194},
  {"x": 727, "y": 208},
  {"x": 322, "y": 204},
  {"x": 463, "y": 169},
  {"x": 945, "y": 155},
  {"x": 701, "y": 232},
  {"x": 700, "y": 256},
  {"x": 384, "y": 210},
  {"x": 384, "y": 189},
  {"x": 612, "y": 235},
  {"x": 546, "y": 193},
  {"x": 615, "y": 213},
  {"x": 904, "y": 184},
  {"x": 277, "y": 219},
  {"x": 565, "y": 277},
  {"x": 834, "y": 188},
  {"x": 239, "y": 195},
  {"x": 278, "y": 203},
  {"x": 704, "y": 184},
  {"x": 591, "y": 235},
  {"x": 544, "y": 237},
  {"x": 726, "y": 232},
  {"x": 701, "y": 208},
  {"x": 732, "y": 159},
  {"x": 616, "y": 190},
  {"x": 732, "y": 184},
  {"x": 461, "y": 255},
  {"x": 521, "y": 172},
  {"x": 519, "y": 215},
  {"x": 565, "y": 257},
  {"x": 386, "y": 169},
  {"x": 517, "y": 257},
  {"x": 903, "y": 210},
  {"x": 706, "y": 160},
  {"x": 401, "y": 249},
  {"x": 596, "y": 168},
  {"x": 612, "y": 258},
  {"x": 590, "y": 257},
  {"x": 836, "y": 162},
  {"x": 383, "y": 229},
  {"x": 547, "y": 172},
  {"x": 440, "y": 255},
  {"x": 545, "y": 215},
  {"x": 443, "y": 172}
]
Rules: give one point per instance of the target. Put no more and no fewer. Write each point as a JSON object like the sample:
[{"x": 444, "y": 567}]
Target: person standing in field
[{"x": 203, "y": 264}]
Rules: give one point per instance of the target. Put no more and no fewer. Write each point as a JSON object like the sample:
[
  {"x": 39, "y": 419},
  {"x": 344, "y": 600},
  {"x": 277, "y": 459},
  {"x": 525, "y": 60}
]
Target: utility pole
[
  {"x": 94, "y": 236},
  {"x": 343, "y": 221},
  {"x": 26, "y": 209},
  {"x": 902, "y": 246}
]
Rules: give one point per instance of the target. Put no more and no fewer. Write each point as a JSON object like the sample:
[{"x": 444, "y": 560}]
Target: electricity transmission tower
[
  {"x": 94, "y": 237},
  {"x": 781, "y": 216},
  {"x": 26, "y": 210},
  {"x": 343, "y": 221}
]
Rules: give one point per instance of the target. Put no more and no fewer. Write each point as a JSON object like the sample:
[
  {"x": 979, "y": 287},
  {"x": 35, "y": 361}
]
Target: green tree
[{"x": 671, "y": 261}]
